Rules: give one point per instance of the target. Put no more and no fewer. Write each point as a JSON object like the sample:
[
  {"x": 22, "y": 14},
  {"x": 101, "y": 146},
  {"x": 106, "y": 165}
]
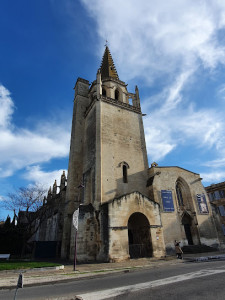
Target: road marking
[{"x": 106, "y": 294}]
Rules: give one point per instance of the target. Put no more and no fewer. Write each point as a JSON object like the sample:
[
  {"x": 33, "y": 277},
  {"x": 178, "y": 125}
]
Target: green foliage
[{"x": 14, "y": 265}]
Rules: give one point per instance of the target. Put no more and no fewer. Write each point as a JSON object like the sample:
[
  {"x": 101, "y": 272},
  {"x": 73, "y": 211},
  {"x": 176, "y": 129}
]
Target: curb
[
  {"x": 205, "y": 258},
  {"x": 33, "y": 270},
  {"x": 83, "y": 276}
]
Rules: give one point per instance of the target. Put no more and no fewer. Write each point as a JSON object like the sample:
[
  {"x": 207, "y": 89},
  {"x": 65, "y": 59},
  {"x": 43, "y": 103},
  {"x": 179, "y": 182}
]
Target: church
[{"x": 126, "y": 209}]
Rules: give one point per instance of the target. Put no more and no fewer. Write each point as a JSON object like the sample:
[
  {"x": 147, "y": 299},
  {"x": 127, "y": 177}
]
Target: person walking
[{"x": 178, "y": 250}]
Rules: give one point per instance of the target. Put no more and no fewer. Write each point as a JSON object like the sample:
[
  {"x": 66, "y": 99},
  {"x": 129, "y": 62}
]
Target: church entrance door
[
  {"x": 186, "y": 221},
  {"x": 139, "y": 236}
]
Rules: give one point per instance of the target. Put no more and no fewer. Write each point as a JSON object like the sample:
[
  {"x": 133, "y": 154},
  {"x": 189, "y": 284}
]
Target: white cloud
[
  {"x": 149, "y": 37},
  {"x": 21, "y": 147},
  {"x": 171, "y": 44},
  {"x": 6, "y": 107},
  {"x": 175, "y": 123},
  {"x": 221, "y": 92},
  {"x": 216, "y": 163},
  {"x": 184, "y": 127},
  {"x": 213, "y": 177},
  {"x": 158, "y": 143},
  {"x": 45, "y": 179}
]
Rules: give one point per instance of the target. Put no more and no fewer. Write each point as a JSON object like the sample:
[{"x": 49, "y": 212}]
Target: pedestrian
[{"x": 178, "y": 249}]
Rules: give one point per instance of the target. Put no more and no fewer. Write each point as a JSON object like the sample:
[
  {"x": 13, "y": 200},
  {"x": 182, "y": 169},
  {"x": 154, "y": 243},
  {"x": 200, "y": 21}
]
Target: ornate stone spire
[
  {"x": 54, "y": 189},
  {"x": 108, "y": 68},
  {"x": 63, "y": 181}
]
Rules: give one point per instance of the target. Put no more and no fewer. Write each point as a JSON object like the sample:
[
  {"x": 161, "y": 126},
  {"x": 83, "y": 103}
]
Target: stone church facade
[
  {"x": 126, "y": 209},
  {"x": 186, "y": 213}
]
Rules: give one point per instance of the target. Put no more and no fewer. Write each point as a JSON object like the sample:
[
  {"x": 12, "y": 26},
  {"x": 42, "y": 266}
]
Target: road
[{"x": 203, "y": 280}]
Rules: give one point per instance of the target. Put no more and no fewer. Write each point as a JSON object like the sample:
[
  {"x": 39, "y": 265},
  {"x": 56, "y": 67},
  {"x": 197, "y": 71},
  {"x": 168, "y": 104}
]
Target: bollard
[{"x": 19, "y": 284}]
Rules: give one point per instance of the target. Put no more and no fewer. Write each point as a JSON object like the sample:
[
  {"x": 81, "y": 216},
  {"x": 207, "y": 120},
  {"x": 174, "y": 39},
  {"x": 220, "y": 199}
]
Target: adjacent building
[{"x": 216, "y": 193}]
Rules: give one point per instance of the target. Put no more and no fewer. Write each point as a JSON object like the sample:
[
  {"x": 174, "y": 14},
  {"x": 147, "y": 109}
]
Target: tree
[
  {"x": 27, "y": 204},
  {"x": 28, "y": 199}
]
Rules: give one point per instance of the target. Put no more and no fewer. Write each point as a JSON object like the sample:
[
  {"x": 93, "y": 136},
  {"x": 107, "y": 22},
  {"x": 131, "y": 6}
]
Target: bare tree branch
[{"x": 28, "y": 199}]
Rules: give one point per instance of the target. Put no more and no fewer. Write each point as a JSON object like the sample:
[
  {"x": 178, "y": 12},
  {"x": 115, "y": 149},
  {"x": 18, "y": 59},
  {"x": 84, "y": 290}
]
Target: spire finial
[{"x": 106, "y": 43}]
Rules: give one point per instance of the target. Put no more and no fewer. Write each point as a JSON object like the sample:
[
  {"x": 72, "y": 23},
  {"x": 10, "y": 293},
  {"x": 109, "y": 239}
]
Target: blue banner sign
[
  {"x": 203, "y": 208},
  {"x": 167, "y": 200}
]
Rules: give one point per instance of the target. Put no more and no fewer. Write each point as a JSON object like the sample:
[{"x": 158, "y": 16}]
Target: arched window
[
  {"x": 117, "y": 94},
  {"x": 103, "y": 92},
  {"x": 179, "y": 195},
  {"x": 125, "y": 174},
  {"x": 125, "y": 167}
]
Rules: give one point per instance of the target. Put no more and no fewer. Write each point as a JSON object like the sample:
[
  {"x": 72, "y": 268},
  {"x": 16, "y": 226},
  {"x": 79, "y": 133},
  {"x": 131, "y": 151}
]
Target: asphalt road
[{"x": 203, "y": 280}]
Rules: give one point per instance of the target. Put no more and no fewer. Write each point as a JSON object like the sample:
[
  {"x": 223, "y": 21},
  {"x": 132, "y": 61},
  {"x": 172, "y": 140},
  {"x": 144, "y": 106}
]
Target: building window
[
  {"x": 125, "y": 174},
  {"x": 124, "y": 165},
  {"x": 211, "y": 197},
  {"x": 222, "y": 210},
  {"x": 116, "y": 94},
  {"x": 216, "y": 195},
  {"x": 179, "y": 195},
  {"x": 221, "y": 194},
  {"x": 103, "y": 92},
  {"x": 223, "y": 228}
]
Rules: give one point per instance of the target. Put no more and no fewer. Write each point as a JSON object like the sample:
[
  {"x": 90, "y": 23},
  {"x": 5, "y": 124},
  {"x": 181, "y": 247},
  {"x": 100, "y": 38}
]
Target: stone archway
[
  {"x": 187, "y": 223},
  {"x": 139, "y": 236}
]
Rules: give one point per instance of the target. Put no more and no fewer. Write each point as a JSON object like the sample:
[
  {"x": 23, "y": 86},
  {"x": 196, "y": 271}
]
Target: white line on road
[{"x": 106, "y": 294}]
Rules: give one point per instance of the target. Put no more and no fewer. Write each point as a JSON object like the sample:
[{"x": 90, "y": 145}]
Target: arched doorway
[
  {"x": 187, "y": 222},
  {"x": 139, "y": 236}
]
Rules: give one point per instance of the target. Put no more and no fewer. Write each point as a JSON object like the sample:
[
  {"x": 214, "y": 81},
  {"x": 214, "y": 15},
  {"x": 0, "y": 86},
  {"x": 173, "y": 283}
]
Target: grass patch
[{"x": 15, "y": 265}]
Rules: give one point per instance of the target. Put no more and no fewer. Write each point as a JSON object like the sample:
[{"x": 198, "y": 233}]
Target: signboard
[
  {"x": 203, "y": 208},
  {"x": 167, "y": 200},
  {"x": 75, "y": 218}
]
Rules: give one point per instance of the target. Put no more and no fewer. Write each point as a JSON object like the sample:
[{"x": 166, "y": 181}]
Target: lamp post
[{"x": 75, "y": 224}]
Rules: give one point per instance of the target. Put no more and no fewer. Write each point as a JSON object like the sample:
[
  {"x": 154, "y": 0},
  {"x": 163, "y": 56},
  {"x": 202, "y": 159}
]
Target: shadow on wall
[
  {"x": 208, "y": 233},
  {"x": 202, "y": 235},
  {"x": 127, "y": 183}
]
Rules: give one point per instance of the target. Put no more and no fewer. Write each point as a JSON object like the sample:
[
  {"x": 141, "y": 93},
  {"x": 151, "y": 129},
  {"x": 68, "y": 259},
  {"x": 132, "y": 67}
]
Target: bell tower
[
  {"x": 122, "y": 156},
  {"x": 108, "y": 158}
]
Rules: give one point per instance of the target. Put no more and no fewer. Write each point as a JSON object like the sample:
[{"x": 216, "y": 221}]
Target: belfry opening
[{"x": 139, "y": 236}]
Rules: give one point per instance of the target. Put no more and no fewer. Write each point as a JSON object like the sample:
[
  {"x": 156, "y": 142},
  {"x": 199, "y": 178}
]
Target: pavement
[{"x": 41, "y": 276}]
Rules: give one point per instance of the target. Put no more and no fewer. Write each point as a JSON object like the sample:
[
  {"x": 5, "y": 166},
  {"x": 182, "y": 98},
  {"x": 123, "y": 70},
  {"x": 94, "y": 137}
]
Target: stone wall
[
  {"x": 202, "y": 226},
  {"x": 122, "y": 142},
  {"x": 120, "y": 210}
]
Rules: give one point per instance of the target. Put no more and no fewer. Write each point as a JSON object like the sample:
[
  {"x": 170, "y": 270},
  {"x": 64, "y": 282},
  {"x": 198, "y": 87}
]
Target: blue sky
[{"x": 174, "y": 52}]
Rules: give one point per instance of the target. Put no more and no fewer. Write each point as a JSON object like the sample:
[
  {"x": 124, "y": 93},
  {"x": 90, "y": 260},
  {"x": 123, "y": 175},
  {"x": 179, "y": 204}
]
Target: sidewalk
[{"x": 8, "y": 279}]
